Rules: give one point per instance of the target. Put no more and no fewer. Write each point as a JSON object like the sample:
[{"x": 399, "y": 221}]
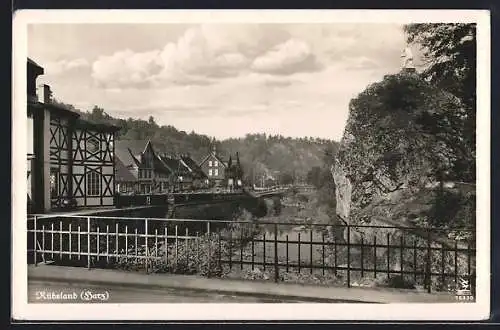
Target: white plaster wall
[{"x": 46, "y": 158}]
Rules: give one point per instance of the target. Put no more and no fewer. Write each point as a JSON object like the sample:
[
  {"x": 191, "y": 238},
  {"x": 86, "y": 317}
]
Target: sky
[{"x": 223, "y": 80}]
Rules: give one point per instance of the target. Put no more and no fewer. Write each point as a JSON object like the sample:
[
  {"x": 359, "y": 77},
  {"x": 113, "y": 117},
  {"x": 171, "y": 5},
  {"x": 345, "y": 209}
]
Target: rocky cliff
[{"x": 397, "y": 150}]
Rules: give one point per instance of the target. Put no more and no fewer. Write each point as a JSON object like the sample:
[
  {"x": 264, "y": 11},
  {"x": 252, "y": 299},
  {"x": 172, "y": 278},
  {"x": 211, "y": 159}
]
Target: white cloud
[
  {"x": 125, "y": 68},
  {"x": 289, "y": 57},
  {"x": 64, "y": 66},
  {"x": 232, "y": 79},
  {"x": 205, "y": 53}
]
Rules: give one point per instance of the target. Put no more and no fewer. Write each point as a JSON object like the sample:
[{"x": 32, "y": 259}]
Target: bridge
[
  {"x": 197, "y": 197},
  {"x": 269, "y": 192}
]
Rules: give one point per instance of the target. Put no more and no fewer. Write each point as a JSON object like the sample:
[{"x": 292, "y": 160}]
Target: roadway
[{"x": 41, "y": 291}]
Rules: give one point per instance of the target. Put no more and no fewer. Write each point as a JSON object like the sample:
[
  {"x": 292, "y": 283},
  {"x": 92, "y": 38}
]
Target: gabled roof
[
  {"x": 123, "y": 173},
  {"x": 195, "y": 168},
  {"x": 212, "y": 154},
  {"x": 175, "y": 164},
  {"x": 127, "y": 149},
  {"x": 136, "y": 146},
  {"x": 84, "y": 123},
  {"x": 34, "y": 66},
  {"x": 130, "y": 151},
  {"x": 30, "y": 61}
]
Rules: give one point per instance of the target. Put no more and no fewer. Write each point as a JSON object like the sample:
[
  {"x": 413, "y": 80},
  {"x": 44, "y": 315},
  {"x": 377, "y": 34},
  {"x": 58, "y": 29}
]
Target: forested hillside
[{"x": 262, "y": 156}]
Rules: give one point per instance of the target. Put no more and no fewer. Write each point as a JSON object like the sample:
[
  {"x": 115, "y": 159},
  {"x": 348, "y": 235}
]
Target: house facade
[
  {"x": 214, "y": 168},
  {"x": 70, "y": 160}
]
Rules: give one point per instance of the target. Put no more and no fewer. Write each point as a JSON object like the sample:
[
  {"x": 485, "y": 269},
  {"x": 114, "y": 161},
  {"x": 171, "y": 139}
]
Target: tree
[
  {"x": 449, "y": 51},
  {"x": 151, "y": 122},
  {"x": 314, "y": 176}
]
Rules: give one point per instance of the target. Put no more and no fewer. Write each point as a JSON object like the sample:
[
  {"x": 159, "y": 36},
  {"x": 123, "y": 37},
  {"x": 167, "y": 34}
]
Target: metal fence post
[
  {"x": 428, "y": 263},
  {"x": 88, "y": 243},
  {"x": 276, "y": 270},
  {"x": 348, "y": 256},
  {"x": 35, "y": 241},
  {"x": 146, "y": 244}
]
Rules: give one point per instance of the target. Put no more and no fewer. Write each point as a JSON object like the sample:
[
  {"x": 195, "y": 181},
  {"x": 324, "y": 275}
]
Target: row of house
[
  {"x": 141, "y": 168},
  {"x": 72, "y": 161}
]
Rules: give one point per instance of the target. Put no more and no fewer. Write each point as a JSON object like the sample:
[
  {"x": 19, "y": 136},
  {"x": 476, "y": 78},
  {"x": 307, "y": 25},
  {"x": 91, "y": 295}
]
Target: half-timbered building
[{"x": 70, "y": 160}]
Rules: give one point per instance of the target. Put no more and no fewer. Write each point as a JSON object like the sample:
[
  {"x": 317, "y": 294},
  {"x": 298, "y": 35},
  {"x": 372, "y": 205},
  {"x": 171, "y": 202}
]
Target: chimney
[{"x": 44, "y": 94}]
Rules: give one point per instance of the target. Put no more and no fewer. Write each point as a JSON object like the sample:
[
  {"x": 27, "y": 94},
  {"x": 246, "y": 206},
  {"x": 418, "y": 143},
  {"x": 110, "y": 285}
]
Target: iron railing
[{"x": 431, "y": 257}]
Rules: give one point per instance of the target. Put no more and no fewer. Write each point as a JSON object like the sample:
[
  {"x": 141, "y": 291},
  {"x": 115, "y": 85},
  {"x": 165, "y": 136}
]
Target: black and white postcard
[{"x": 229, "y": 165}]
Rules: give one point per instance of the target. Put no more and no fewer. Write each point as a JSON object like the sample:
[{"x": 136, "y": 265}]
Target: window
[
  {"x": 210, "y": 172},
  {"x": 209, "y": 163},
  {"x": 216, "y": 172},
  {"x": 140, "y": 174},
  {"x": 216, "y": 164},
  {"x": 93, "y": 145},
  {"x": 93, "y": 184}
]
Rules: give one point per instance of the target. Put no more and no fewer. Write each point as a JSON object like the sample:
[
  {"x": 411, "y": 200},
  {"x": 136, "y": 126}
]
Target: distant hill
[{"x": 260, "y": 154}]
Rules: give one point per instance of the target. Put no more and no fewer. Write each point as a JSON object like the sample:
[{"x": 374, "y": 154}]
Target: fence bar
[
  {"x": 414, "y": 260},
  {"x": 117, "y": 237},
  {"x": 35, "y": 240},
  {"x": 276, "y": 270},
  {"x": 323, "y": 253},
  {"x": 209, "y": 257},
  {"x": 443, "y": 255},
  {"x": 156, "y": 247},
  {"x": 88, "y": 243},
  {"x": 165, "y": 243},
  {"x": 43, "y": 243},
  {"x": 298, "y": 251},
  {"x": 335, "y": 254},
  {"x": 375, "y": 256},
  {"x": 230, "y": 250},
  {"x": 456, "y": 264},
  {"x": 362, "y": 257},
  {"x": 311, "y": 249},
  {"x": 198, "y": 252},
  {"x": 136, "y": 246},
  {"x": 220, "y": 250},
  {"x": 79, "y": 243},
  {"x": 428, "y": 279},
  {"x": 388, "y": 243},
  {"x": 107, "y": 243},
  {"x": 469, "y": 263},
  {"x": 126, "y": 243},
  {"x": 286, "y": 253},
  {"x": 241, "y": 249},
  {"x": 60, "y": 238},
  {"x": 264, "y": 251},
  {"x": 97, "y": 242},
  {"x": 70, "y": 245},
  {"x": 348, "y": 256},
  {"x": 186, "y": 246},
  {"x": 52, "y": 240},
  {"x": 176, "y": 248},
  {"x": 401, "y": 254},
  {"x": 146, "y": 247},
  {"x": 253, "y": 253}
]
